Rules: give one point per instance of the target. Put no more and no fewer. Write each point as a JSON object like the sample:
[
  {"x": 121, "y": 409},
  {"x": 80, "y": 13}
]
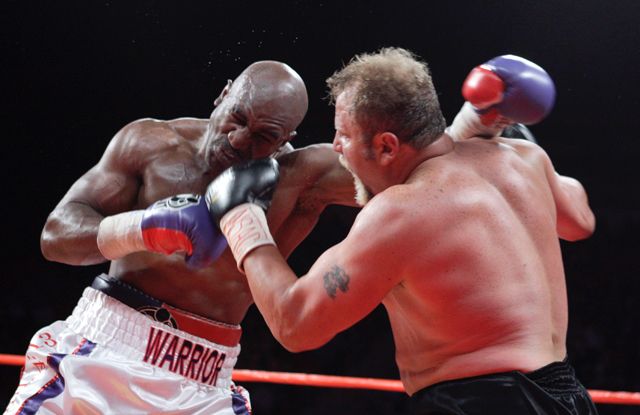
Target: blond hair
[{"x": 393, "y": 91}]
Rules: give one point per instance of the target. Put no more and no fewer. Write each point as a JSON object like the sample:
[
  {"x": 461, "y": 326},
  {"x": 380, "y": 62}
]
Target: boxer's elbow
[
  {"x": 581, "y": 227},
  {"x": 589, "y": 224},
  {"x": 52, "y": 250},
  {"x": 296, "y": 341},
  {"x": 296, "y": 333},
  {"x": 292, "y": 343},
  {"x": 58, "y": 246},
  {"x": 575, "y": 219},
  {"x": 48, "y": 245}
]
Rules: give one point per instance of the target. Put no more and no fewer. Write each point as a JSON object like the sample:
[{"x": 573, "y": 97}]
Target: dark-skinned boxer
[{"x": 161, "y": 331}]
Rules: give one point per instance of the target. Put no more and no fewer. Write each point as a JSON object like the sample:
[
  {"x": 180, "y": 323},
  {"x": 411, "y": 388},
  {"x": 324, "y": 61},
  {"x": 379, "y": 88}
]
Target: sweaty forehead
[
  {"x": 344, "y": 109},
  {"x": 267, "y": 93},
  {"x": 266, "y": 81},
  {"x": 269, "y": 108},
  {"x": 344, "y": 117},
  {"x": 344, "y": 100},
  {"x": 279, "y": 100}
]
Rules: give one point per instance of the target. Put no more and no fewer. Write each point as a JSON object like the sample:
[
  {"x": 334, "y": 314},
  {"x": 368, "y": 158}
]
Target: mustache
[{"x": 227, "y": 149}]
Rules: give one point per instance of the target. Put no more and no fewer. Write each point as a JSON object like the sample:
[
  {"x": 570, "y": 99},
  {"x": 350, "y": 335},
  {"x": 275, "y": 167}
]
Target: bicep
[
  {"x": 335, "y": 185},
  {"x": 349, "y": 280},
  {"x": 104, "y": 189},
  {"x": 111, "y": 186},
  {"x": 326, "y": 180},
  {"x": 311, "y": 179}
]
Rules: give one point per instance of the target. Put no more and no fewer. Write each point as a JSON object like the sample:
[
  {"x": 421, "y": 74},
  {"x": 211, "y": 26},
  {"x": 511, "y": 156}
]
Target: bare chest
[{"x": 172, "y": 173}]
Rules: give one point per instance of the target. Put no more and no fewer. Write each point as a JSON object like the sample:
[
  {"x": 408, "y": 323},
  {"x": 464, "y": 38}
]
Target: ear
[
  {"x": 386, "y": 147},
  {"x": 224, "y": 93}
]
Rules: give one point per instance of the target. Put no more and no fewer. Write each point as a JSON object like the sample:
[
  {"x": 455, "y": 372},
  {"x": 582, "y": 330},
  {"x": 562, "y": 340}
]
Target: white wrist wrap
[
  {"x": 467, "y": 124},
  {"x": 121, "y": 234},
  {"x": 245, "y": 227}
]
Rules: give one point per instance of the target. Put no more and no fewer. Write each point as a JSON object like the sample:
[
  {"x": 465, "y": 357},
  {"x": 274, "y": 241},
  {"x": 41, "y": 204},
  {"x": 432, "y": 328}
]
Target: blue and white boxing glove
[
  {"x": 176, "y": 224},
  {"x": 503, "y": 91}
]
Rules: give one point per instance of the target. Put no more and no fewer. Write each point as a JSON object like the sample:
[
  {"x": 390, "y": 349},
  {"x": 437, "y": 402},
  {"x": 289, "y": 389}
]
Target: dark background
[{"x": 74, "y": 72}]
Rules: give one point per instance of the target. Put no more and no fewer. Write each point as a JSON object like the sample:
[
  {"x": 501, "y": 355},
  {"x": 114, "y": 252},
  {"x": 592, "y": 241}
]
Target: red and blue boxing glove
[
  {"x": 176, "y": 224},
  {"x": 512, "y": 88},
  {"x": 182, "y": 223},
  {"x": 505, "y": 90}
]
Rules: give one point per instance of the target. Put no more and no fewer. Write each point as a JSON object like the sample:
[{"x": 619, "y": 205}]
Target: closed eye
[
  {"x": 269, "y": 136},
  {"x": 239, "y": 119},
  {"x": 238, "y": 116}
]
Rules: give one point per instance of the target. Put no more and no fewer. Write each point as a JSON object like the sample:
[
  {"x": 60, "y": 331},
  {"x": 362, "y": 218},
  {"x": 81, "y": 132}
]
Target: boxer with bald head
[
  {"x": 161, "y": 331},
  {"x": 458, "y": 239}
]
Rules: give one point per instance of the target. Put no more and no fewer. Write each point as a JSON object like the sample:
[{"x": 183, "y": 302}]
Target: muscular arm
[
  {"x": 344, "y": 285},
  {"x": 575, "y": 220},
  {"x": 323, "y": 179},
  {"x": 311, "y": 179},
  {"x": 111, "y": 186}
]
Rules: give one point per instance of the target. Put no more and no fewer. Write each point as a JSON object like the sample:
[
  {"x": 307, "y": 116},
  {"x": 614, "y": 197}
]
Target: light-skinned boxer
[{"x": 458, "y": 239}]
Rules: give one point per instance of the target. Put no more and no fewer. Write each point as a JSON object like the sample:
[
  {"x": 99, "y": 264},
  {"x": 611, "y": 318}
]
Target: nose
[
  {"x": 239, "y": 139},
  {"x": 337, "y": 144}
]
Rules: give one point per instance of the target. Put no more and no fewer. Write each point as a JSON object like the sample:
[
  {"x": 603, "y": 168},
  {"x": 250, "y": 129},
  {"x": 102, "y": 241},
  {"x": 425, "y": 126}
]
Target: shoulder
[
  {"x": 397, "y": 209},
  {"x": 150, "y": 133},
  {"x": 134, "y": 143},
  {"x": 189, "y": 127},
  {"x": 151, "y": 128},
  {"x": 525, "y": 148},
  {"x": 385, "y": 235},
  {"x": 533, "y": 155},
  {"x": 142, "y": 126},
  {"x": 143, "y": 129}
]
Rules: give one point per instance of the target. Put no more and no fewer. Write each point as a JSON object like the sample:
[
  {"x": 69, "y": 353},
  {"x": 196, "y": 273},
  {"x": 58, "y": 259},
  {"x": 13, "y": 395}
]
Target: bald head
[
  {"x": 257, "y": 113},
  {"x": 273, "y": 72},
  {"x": 274, "y": 84}
]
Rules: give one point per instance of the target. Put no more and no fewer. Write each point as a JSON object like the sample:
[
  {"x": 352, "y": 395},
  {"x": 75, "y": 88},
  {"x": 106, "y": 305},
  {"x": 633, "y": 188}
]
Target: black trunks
[{"x": 552, "y": 389}]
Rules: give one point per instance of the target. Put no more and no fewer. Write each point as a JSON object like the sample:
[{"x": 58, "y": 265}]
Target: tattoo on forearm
[{"x": 334, "y": 280}]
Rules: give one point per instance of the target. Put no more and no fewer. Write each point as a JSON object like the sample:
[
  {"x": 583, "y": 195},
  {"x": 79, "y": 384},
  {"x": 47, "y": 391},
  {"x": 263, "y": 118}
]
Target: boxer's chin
[{"x": 363, "y": 195}]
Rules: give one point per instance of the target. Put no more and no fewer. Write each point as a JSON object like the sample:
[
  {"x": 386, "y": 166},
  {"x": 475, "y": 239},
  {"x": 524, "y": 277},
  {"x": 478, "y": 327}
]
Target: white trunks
[{"x": 108, "y": 358}]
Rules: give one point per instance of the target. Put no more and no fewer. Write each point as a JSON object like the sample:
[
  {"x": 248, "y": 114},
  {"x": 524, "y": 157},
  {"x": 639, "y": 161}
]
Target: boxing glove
[
  {"x": 238, "y": 200},
  {"x": 509, "y": 89},
  {"x": 505, "y": 90},
  {"x": 176, "y": 224}
]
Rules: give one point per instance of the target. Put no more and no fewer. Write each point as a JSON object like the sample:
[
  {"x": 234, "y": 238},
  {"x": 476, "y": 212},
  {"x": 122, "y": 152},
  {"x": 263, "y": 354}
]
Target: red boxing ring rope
[{"x": 345, "y": 382}]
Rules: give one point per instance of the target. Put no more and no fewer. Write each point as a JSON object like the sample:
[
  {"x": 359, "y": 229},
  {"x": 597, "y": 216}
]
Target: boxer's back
[{"x": 487, "y": 292}]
